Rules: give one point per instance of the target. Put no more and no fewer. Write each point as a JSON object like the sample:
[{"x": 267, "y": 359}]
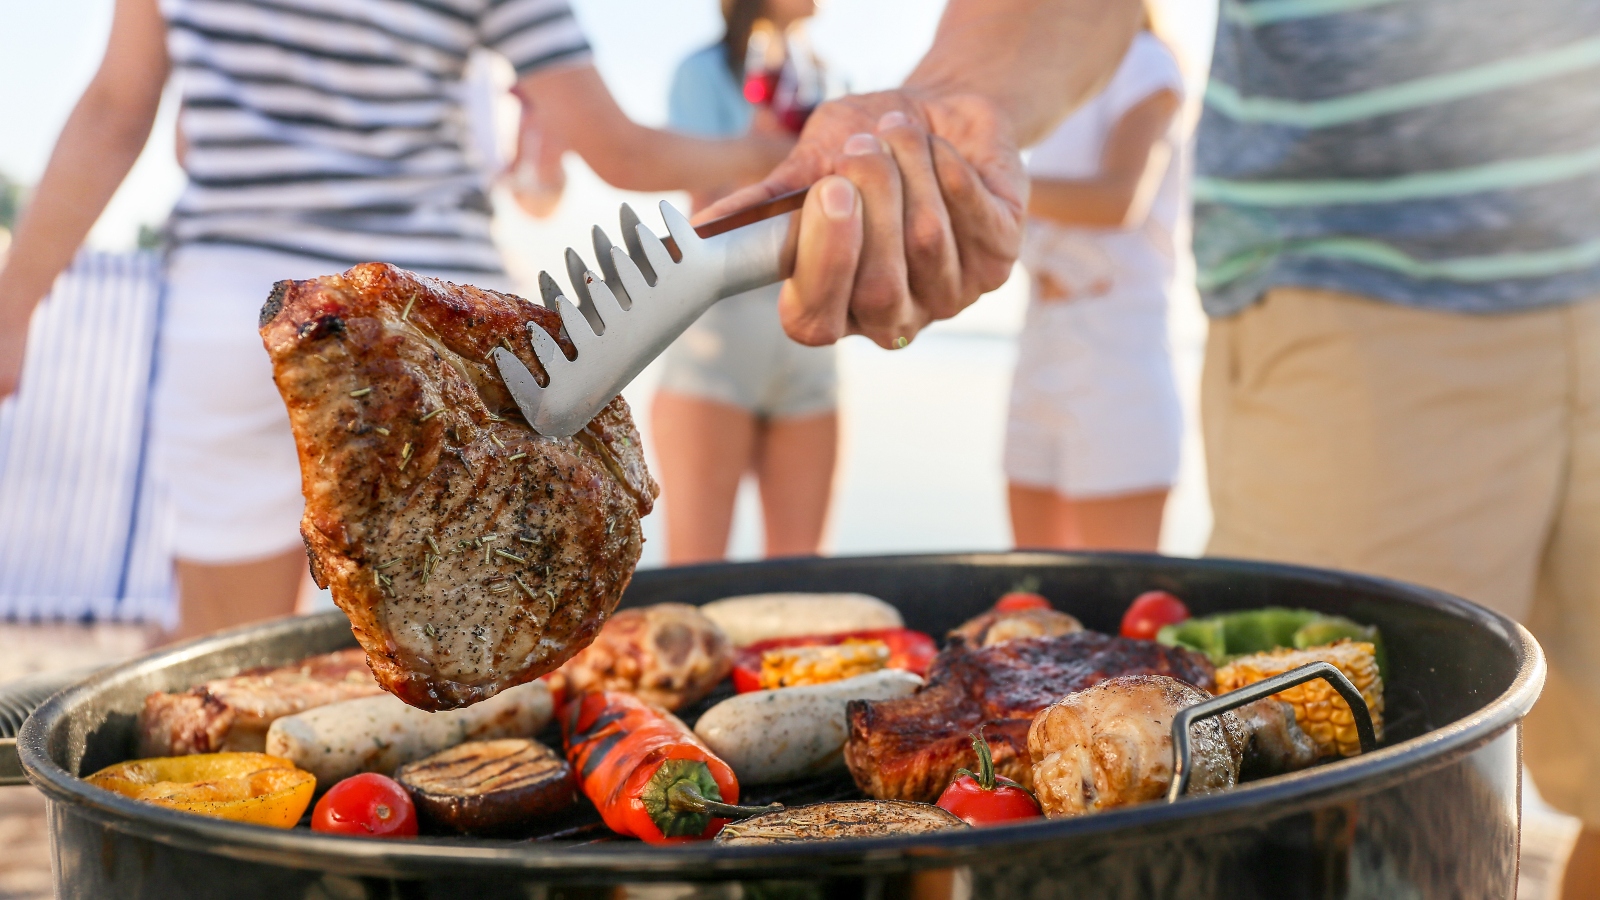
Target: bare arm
[
  {"x": 1132, "y": 164},
  {"x": 97, "y": 147},
  {"x": 573, "y": 102}
]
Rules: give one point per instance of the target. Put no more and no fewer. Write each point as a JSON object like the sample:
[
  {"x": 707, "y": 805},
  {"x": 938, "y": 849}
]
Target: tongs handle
[{"x": 777, "y": 206}]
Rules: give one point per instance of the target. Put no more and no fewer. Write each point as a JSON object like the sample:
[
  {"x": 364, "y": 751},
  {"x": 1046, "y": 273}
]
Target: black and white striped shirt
[{"x": 336, "y": 128}]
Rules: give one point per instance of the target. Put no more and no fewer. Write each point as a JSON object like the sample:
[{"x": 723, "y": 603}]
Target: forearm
[
  {"x": 96, "y": 149},
  {"x": 1091, "y": 203},
  {"x": 1035, "y": 60},
  {"x": 575, "y": 104}
]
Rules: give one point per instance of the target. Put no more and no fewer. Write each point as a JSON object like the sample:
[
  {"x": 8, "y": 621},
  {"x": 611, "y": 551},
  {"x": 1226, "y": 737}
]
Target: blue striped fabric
[
  {"x": 83, "y": 531},
  {"x": 1433, "y": 153}
]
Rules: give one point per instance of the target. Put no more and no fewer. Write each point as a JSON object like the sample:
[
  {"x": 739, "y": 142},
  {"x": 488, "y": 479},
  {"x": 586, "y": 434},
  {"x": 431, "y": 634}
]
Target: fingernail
[
  {"x": 893, "y": 119},
  {"x": 838, "y": 199},
  {"x": 861, "y": 145}
]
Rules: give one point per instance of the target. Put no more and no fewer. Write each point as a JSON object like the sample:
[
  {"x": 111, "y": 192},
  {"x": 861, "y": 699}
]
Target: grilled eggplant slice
[
  {"x": 489, "y": 787},
  {"x": 834, "y": 821}
]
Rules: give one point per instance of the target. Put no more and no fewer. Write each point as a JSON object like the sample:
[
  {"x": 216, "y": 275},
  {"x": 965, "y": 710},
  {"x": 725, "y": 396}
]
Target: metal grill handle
[{"x": 1183, "y": 752}]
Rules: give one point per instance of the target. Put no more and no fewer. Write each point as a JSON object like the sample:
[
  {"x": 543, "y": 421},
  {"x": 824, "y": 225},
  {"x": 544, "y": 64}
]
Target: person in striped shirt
[
  {"x": 1397, "y": 228},
  {"x": 316, "y": 134}
]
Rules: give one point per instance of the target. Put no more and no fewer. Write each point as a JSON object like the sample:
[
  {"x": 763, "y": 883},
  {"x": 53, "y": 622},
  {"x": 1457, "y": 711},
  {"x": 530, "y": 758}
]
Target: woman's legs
[
  {"x": 794, "y": 464},
  {"x": 216, "y": 596},
  {"x": 1041, "y": 518},
  {"x": 703, "y": 448}
]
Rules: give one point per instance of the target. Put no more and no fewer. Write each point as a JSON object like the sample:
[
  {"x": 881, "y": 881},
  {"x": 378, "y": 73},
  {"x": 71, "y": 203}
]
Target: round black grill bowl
[{"x": 1434, "y": 813}]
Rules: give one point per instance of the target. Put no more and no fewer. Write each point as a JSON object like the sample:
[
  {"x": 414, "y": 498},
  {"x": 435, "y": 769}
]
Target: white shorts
[
  {"x": 738, "y": 354},
  {"x": 222, "y": 445},
  {"x": 1094, "y": 404}
]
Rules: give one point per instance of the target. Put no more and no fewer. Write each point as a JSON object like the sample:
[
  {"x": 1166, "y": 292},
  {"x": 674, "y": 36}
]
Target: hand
[
  {"x": 916, "y": 210},
  {"x": 536, "y": 176}
]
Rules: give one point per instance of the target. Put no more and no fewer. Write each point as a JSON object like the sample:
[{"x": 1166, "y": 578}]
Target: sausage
[
  {"x": 378, "y": 734},
  {"x": 769, "y": 736},
  {"x": 760, "y": 617}
]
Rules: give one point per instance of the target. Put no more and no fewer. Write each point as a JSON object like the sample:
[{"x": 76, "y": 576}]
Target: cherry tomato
[
  {"x": 982, "y": 798},
  {"x": 1019, "y": 600},
  {"x": 366, "y": 805},
  {"x": 1149, "y": 612}
]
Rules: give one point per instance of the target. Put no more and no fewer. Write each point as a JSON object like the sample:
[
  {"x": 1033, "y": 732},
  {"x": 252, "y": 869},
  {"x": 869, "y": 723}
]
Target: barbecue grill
[{"x": 1432, "y": 813}]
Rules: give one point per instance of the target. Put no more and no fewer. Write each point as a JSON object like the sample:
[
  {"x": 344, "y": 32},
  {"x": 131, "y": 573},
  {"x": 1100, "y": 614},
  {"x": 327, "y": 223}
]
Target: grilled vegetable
[
  {"x": 379, "y": 734},
  {"x": 242, "y": 787},
  {"x": 1150, "y": 612},
  {"x": 668, "y": 653},
  {"x": 1017, "y": 601},
  {"x": 646, "y": 772},
  {"x": 760, "y": 617},
  {"x": 366, "y": 805},
  {"x": 1227, "y": 635},
  {"x": 983, "y": 799},
  {"x": 820, "y": 658},
  {"x": 489, "y": 787},
  {"x": 833, "y": 821},
  {"x": 769, "y": 736},
  {"x": 1318, "y": 708}
]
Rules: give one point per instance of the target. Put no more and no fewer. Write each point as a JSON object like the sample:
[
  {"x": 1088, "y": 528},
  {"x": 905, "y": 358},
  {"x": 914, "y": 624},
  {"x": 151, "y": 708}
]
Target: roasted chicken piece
[
  {"x": 998, "y": 626},
  {"x": 234, "y": 713},
  {"x": 668, "y": 654},
  {"x": 470, "y": 553},
  {"x": 1111, "y": 745},
  {"x": 910, "y": 748}
]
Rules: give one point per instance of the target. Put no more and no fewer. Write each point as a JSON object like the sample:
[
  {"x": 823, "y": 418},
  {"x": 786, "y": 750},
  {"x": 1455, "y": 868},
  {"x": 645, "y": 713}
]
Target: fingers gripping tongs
[{"x": 649, "y": 295}]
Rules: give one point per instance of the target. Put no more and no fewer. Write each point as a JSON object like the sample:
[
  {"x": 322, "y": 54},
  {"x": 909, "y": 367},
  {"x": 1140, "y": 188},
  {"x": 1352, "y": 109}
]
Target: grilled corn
[
  {"x": 784, "y": 667},
  {"x": 1318, "y": 709}
]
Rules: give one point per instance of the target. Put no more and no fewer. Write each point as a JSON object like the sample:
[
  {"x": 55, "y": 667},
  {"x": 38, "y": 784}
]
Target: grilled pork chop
[
  {"x": 909, "y": 748},
  {"x": 470, "y": 553},
  {"x": 234, "y": 713}
]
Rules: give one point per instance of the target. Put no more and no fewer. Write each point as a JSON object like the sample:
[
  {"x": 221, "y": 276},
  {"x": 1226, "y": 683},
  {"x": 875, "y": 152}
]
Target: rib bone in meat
[{"x": 470, "y": 553}]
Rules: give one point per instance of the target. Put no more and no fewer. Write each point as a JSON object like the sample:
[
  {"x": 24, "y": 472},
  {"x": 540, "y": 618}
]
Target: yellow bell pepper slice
[{"x": 242, "y": 787}]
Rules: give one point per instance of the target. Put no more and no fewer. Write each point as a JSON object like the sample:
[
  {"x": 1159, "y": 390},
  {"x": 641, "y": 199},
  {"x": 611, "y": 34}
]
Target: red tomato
[
  {"x": 1018, "y": 600},
  {"x": 982, "y": 799},
  {"x": 1149, "y": 612},
  {"x": 366, "y": 805},
  {"x": 968, "y": 801}
]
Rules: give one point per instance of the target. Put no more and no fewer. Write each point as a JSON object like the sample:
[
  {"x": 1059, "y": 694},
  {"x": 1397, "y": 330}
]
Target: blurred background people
[
  {"x": 737, "y": 395},
  {"x": 314, "y": 138},
  {"x": 1095, "y": 424}
]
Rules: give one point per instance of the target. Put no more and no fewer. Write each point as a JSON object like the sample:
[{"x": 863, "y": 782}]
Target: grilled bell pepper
[
  {"x": 646, "y": 772},
  {"x": 243, "y": 787},
  {"x": 757, "y": 667},
  {"x": 1226, "y": 636}
]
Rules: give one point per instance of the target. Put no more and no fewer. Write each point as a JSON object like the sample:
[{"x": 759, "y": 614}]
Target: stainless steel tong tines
[{"x": 647, "y": 297}]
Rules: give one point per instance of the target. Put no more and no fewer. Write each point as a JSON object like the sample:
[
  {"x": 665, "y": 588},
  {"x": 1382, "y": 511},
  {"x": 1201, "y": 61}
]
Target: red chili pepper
[
  {"x": 984, "y": 799},
  {"x": 909, "y": 650},
  {"x": 646, "y": 772},
  {"x": 1149, "y": 612}
]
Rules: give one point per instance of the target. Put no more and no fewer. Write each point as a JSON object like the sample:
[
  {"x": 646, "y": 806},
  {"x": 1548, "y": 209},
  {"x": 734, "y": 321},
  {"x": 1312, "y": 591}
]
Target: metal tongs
[{"x": 648, "y": 296}]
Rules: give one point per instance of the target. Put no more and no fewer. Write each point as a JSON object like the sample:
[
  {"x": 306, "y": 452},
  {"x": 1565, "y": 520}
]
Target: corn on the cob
[
  {"x": 795, "y": 666},
  {"x": 1318, "y": 709}
]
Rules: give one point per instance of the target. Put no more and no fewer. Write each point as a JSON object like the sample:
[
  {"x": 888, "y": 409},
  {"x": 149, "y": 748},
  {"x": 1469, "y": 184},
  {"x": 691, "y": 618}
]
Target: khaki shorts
[{"x": 1456, "y": 451}]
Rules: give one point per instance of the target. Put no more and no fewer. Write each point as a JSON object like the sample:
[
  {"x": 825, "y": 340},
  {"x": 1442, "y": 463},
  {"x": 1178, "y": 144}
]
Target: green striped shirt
[{"x": 1434, "y": 153}]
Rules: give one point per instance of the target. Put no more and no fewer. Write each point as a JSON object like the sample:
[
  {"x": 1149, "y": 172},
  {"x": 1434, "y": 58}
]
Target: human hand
[
  {"x": 916, "y": 210},
  {"x": 536, "y": 176}
]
